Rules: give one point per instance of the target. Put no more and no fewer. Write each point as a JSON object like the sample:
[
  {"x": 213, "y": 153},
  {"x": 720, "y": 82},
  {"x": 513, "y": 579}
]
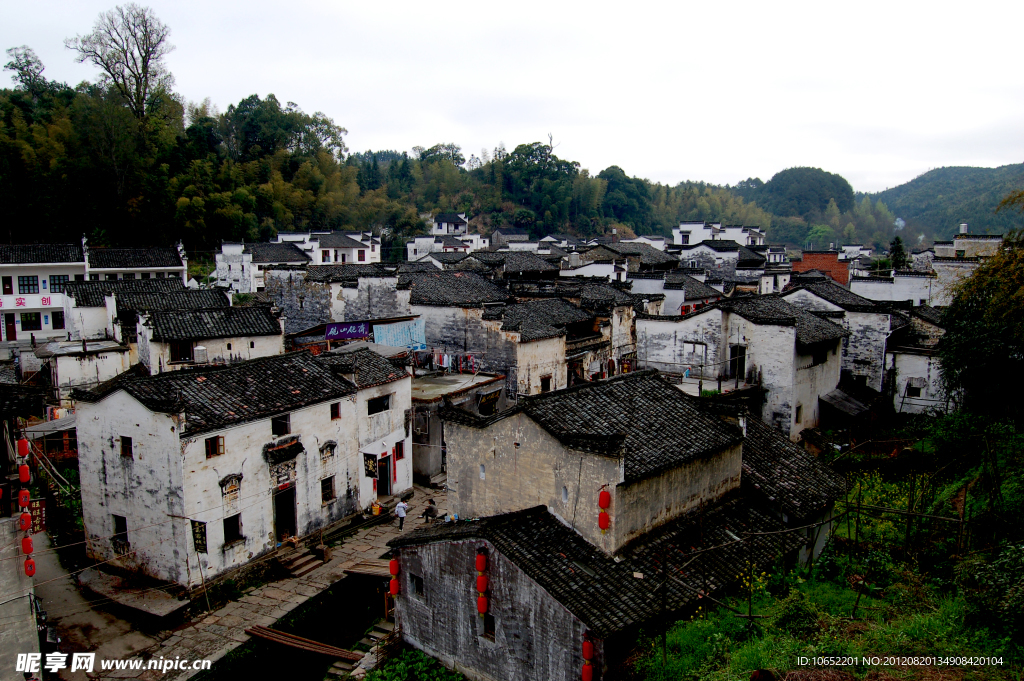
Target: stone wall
[
  {"x": 535, "y": 637},
  {"x": 303, "y": 304},
  {"x": 368, "y": 298}
]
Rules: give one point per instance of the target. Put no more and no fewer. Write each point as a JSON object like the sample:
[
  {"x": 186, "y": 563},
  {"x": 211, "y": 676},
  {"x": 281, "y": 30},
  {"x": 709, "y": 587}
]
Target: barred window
[{"x": 28, "y": 284}]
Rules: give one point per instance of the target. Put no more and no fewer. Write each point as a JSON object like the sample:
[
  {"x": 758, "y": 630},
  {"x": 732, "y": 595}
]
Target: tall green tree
[{"x": 897, "y": 254}]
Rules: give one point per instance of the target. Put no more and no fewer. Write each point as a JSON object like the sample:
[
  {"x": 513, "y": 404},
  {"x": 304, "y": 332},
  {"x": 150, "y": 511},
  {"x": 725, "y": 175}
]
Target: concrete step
[
  {"x": 385, "y": 627},
  {"x": 342, "y": 665},
  {"x": 308, "y": 568},
  {"x": 367, "y": 642},
  {"x": 376, "y": 635},
  {"x": 299, "y": 561}
]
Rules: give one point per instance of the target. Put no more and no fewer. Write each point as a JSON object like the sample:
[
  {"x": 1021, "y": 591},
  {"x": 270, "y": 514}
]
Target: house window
[
  {"x": 325, "y": 256},
  {"x": 111, "y": 277},
  {"x": 327, "y": 490},
  {"x": 335, "y": 411},
  {"x": 799, "y": 412},
  {"x": 79, "y": 277},
  {"x": 28, "y": 284},
  {"x": 416, "y": 582},
  {"x": 229, "y": 346},
  {"x": 94, "y": 277},
  {"x": 959, "y": 254},
  {"x": 913, "y": 392},
  {"x": 126, "y": 446},
  {"x": 545, "y": 384},
  {"x": 181, "y": 351},
  {"x": 488, "y": 632},
  {"x": 565, "y": 494},
  {"x": 31, "y": 321},
  {"x": 57, "y": 282},
  {"x": 233, "y": 529},
  {"x": 128, "y": 275},
  {"x": 214, "y": 446},
  {"x": 58, "y": 319},
  {"x": 819, "y": 357},
  {"x": 399, "y": 450},
  {"x": 483, "y": 472},
  {"x": 281, "y": 425},
  {"x": 146, "y": 275},
  {"x": 120, "y": 531},
  {"x": 158, "y": 275},
  {"x": 922, "y": 301},
  {"x": 378, "y": 404},
  {"x": 362, "y": 255},
  {"x": 252, "y": 344}
]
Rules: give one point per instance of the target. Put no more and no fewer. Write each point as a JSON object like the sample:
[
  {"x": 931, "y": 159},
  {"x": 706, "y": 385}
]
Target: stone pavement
[{"x": 213, "y": 635}]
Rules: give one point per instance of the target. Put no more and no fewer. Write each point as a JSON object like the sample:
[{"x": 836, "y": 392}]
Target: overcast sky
[{"x": 878, "y": 92}]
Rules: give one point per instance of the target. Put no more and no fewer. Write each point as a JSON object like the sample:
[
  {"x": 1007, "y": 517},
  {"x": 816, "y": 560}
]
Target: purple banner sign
[{"x": 347, "y": 330}]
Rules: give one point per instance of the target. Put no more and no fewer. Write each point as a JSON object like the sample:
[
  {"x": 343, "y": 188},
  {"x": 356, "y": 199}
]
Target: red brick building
[{"x": 826, "y": 262}]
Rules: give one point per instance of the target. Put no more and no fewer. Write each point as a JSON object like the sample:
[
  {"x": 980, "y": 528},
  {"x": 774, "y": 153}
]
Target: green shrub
[
  {"x": 412, "y": 665},
  {"x": 796, "y": 615}
]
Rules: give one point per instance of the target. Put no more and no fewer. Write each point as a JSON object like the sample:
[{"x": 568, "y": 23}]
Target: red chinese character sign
[
  {"x": 37, "y": 507},
  {"x": 46, "y": 300},
  {"x": 19, "y": 302}
]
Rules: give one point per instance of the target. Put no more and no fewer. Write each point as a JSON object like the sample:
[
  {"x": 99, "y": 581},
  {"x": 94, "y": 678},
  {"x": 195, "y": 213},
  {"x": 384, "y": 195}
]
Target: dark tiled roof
[
  {"x": 40, "y": 253},
  {"x": 639, "y": 416},
  {"x": 185, "y": 299},
  {"x": 339, "y": 240},
  {"x": 640, "y": 300},
  {"x": 649, "y": 255},
  {"x": 447, "y": 241},
  {"x": 128, "y": 258},
  {"x": 718, "y": 245},
  {"x": 692, "y": 288},
  {"x": 447, "y": 258},
  {"x": 22, "y": 401},
  {"x": 771, "y": 309},
  {"x": 215, "y": 398},
  {"x": 525, "y": 261},
  {"x": 789, "y": 477},
  {"x": 365, "y": 366},
  {"x": 350, "y": 271},
  {"x": 929, "y": 314},
  {"x": 413, "y": 267},
  {"x": 537, "y": 319},
  {"x": 841, "y": 296},
  {"x": 92, "y": 293},
  {"x": 454, "y": 289},
  {"x": 228, "y": 322},
  {"x": 453, "y": 218},
  {"x": 748, "y": 258},
  {"x": 287, "y": 252},
  {"x": 605, "y": 592}
]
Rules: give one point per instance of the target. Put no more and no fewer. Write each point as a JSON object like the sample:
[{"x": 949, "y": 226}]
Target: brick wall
[{"x": 826, "y": 262}]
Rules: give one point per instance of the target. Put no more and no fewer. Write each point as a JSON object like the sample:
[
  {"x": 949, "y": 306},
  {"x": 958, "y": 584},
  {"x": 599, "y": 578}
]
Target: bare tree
[{"x": 129, "y": 43}]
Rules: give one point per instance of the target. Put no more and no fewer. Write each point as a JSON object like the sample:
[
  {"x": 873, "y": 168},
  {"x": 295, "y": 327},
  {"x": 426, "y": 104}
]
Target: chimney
[{"x": 963, "y": 228}]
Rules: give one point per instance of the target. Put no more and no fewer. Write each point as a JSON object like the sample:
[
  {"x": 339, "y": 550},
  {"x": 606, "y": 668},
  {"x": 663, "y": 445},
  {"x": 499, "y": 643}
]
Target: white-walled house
[
  {"x": 694, "y": 232},
  {"x": 175, "y": 339},
  {"x": 113, "y": 264},
  {"x": 33, "y": 278},
  {"x": 867, "y": 323},
  {"x": 912, "y": 363},
  {"x": 917, "y": 286},
  {"x": 241, "y": 267},
  {"x": 758, "y": 340},
  {"x": 344, "y": 247},
  {"x": 81, "y": 364},
  {"x": 242, "y": 457},
  {"x": 85, "y": 303}
]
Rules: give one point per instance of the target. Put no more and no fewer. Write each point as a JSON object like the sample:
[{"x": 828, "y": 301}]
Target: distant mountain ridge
[{"x": 943, "y": 198}]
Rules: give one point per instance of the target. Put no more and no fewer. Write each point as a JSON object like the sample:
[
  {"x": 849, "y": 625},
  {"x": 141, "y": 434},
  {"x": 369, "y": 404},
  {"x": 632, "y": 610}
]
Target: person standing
[{"x": 400, "y": 511}]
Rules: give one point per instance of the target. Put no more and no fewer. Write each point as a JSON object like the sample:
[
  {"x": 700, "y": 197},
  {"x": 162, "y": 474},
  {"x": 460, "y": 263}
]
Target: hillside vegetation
[{"x": 945, "y": 197}]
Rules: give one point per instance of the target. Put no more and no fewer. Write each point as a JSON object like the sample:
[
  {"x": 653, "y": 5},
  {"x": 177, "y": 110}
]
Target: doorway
[
  {"x": 10, "y": 330},
  {"x": 284, "y": 513},
  {"x": 738, "y": 360},
  {"x": 384, "y": 476}
]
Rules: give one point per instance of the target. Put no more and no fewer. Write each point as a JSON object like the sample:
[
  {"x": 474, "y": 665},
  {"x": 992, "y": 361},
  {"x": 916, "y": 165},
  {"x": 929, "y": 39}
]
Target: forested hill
[{"x": 945, "y": 197}]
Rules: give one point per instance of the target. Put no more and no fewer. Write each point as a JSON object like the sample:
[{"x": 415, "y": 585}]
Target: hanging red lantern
[
  {"x": 26, "y": 545},
  {"x": 25, "y": 521},
  {"x": 481, "y": 604},
  {"x": 604, "y": 499},
  {"x": 588, "y": 672},
  {"x": 481, "y": 583},
  {"x": 30, "y": 567},
  {"x": 23, "y": 498},
  {"x": 22, "y": 447},
  {"x": 24, "y": 474},
  {"x": 481, "y": 562},
  {"x": 393, "y": 587},
  {"x": 393, "y": 566},
  {"x": 603, "y": 520},
  {"x": 588, "y": 650}
]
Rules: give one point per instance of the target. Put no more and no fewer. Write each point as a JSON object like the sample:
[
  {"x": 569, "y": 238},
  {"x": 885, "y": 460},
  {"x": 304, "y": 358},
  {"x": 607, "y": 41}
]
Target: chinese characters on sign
[
  {"x": 19, "y": 302},
  {"x": 370, "y": 465},
  {"x": 347, "y": 330},
  {"x": 199, "y": 536},
  {"x": 37, "y": 508},
  {"x": 46, "y": 300}
]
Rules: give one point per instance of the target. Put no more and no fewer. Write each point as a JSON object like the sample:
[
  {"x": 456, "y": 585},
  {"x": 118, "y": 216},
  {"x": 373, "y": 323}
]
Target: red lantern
[
  {"x": 588, "y": 650},
  {"x": 25, "y": 521},
  {"x": 23, "y": 498},
  {"x": 481, "y": 562},
  {"x": 588, "y": 672},
  {"x": 22, "y": 447},
  {"x": 603, "y": 520},
  {"x": 604, "y": 499},
  {"x": 23, "y": 473},
  {"x": 481, "y": 583},
  {"x": 26, "y": 545},
  {"x": 393, "y": 587},
  {"x": 393, "y": 566},
  {"x": 30, "y": 567},
  {"x": 481, "y": 604}
]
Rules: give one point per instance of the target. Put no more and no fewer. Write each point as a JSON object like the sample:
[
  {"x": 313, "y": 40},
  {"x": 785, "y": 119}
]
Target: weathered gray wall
[
  {"x": 535, "y": 637},
  {"x": 369, "y": 298},
  {"x": 462, "y": 330},
  {"x": 303, "y": 304}
]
